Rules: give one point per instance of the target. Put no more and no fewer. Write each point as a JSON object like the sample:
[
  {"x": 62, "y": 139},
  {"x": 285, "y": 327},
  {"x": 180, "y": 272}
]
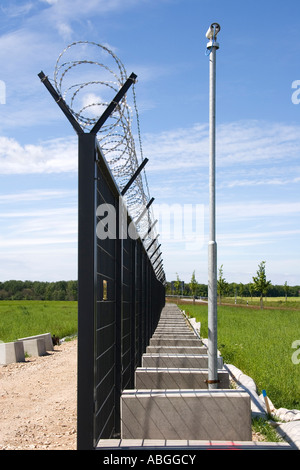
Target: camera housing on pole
[{"x": 211, "y": 34}]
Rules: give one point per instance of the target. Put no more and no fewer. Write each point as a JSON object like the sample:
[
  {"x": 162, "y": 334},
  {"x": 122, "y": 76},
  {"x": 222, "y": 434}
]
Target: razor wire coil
[{"x": 86, "y": 100}]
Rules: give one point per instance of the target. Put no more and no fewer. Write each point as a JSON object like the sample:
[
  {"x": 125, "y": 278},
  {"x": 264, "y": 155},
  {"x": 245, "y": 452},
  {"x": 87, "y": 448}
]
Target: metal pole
[
  {"x": 86, "y": 292},
  {"x": 212, "y": 381}
]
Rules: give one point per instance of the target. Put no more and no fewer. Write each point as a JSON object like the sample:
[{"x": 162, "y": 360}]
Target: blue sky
[{"x": 163, "y": 42}]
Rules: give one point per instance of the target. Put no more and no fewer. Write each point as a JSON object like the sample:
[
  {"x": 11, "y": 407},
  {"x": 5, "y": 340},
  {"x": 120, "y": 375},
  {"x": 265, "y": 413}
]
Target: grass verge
[
  {"x": 23, "y": 318},
  {"x": 265, "y": 431}
]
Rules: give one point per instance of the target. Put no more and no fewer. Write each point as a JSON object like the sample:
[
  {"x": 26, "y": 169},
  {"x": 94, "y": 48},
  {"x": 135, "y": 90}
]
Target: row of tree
[
  {"x": 37, "y": 290},
  {"x": 68, "y": 290},
  {"x": 259, "y": 286}
]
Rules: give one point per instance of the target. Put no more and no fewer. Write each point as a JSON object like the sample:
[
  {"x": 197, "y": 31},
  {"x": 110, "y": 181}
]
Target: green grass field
[
  {"x": 31, "y": 317},
  {"x": 259, "y": 342}
]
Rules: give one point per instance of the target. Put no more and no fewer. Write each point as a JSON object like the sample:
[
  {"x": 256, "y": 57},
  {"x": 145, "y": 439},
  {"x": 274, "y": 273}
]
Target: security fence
[
  {"x": 128, "y": 302},
  {"x": 121, "y": 282}
]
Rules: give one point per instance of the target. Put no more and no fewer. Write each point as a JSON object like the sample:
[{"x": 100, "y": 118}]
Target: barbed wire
[{"x": 87, "y": 99}]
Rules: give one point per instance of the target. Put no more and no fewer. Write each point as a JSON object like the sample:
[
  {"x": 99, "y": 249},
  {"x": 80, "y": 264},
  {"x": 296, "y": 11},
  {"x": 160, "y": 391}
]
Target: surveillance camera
[{"x": 213, "y": 31}]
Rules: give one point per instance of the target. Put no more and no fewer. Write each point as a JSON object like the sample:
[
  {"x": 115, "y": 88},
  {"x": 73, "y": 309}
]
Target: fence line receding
[{"x": 121, "y": 288}]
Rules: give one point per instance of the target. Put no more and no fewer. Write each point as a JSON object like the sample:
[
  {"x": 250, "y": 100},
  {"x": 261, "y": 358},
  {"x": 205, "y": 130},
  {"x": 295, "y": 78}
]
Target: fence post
[
  {"x": 119, "y": 318},
  {"x": 86, "y": 290},
  {"x": 133, "y": 311}
]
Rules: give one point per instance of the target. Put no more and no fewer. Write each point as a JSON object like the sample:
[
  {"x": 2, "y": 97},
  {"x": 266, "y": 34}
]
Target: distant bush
[{"x": 37, "y": 290}]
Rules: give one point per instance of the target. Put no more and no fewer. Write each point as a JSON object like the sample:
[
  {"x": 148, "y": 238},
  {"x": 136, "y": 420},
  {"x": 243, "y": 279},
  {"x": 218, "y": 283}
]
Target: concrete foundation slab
[
  {"x": 186, "y": 414},
  {"x": 34, "y": 347},
  {"x": 176, "y": 349},
  {"x": 46, "y": 337},
  {"x": 174, "y": 325},
  {"x": 187, "y": 445},
  {"x": 197, "y": 361},
  {"x": 168, "y": 329},
  {"x": 173, "y": 378},
  {"x": 180, "y": 321},
  {"x": 178, "y": 341},
  {"x": 11, "y": 352},
  {"x": 171, "y": 334}
]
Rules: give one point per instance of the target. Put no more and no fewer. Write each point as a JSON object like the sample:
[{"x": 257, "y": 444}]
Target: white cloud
[
  {"x": 50, "y": 2},
  {"x": 65, "y": 31},
  {"x": 14, "y": 9},
  {"x": 73, "y": 8},
  {"x": 177, "y": 149},
  {"x": 260, "y": 182},
  {"x": 244, "y": 210},
  {"x": 34, "y": 195},
  {"x": 255, "y": 238},
  {"x": 93, "y": 105},
  {"x": 44, "y": 263},
  {"x": 238, "y": 143},
  {"x": 63, "y": 13},
  {"x": 38, "y": 234},
  {"x": 55, "y": 156}
]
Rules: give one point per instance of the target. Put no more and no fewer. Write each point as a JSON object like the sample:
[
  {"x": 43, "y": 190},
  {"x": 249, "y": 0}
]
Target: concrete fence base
[
  {"x": 176, "y": 349},
  {"x": 186, "y": 414},
  {"x": 11, "y": 352},
  {"x": 45, "y": 337},
  {"x": 168, "y": 378},
  {"x": 172, "y": 405},
  {"x": 15, "y": 351},
  {"x": 172, "y": 399},
  {"x": 196, "y": 361},
  {"x": 34, "y": 347},
  {"x": 176, "y": 341},
  {"x": 172, "y": 446}
]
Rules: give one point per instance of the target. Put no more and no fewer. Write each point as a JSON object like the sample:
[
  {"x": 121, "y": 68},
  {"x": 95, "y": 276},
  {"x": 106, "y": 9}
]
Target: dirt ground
[{"x": 38, "y": 401}]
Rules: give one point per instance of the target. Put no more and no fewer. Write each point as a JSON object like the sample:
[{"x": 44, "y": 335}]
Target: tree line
[
  {"x": 38, "y": 290},
  {"x": 259, "y": 286},
  {"x": 68, "y": 290}
]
